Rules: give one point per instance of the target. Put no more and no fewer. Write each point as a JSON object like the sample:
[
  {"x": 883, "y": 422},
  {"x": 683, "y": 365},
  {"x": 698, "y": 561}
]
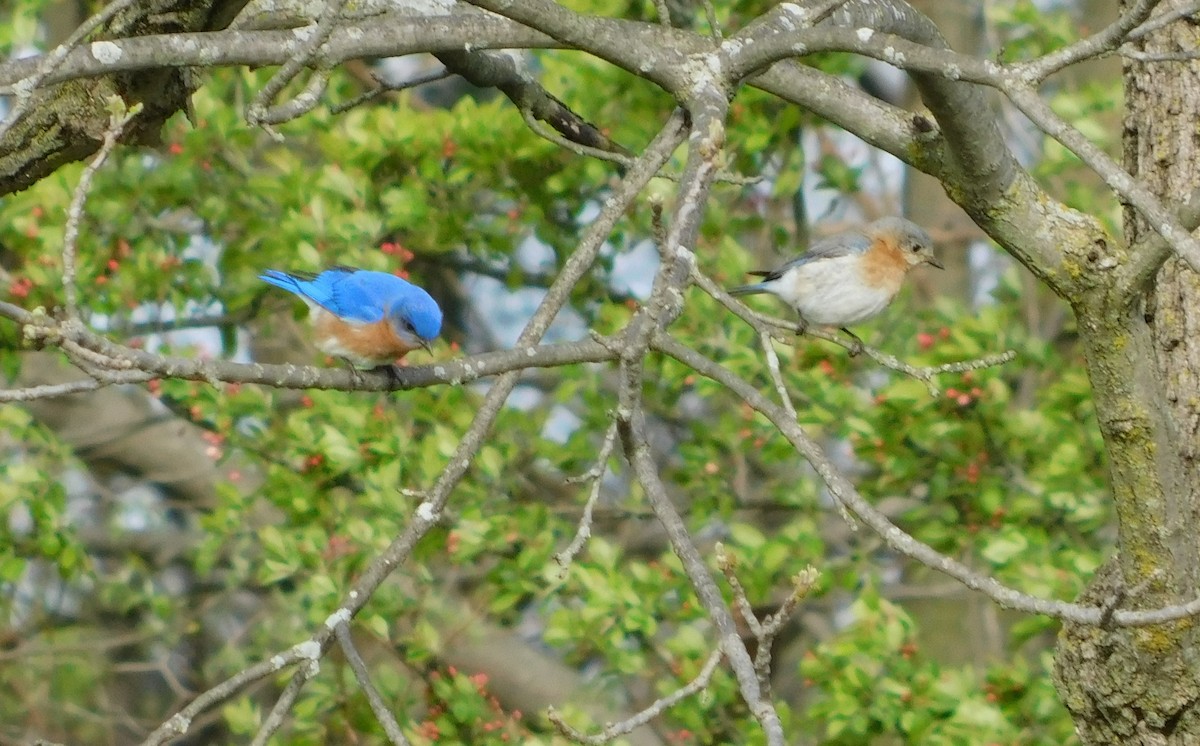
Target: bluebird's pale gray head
[{"x": 911, "y": 239}]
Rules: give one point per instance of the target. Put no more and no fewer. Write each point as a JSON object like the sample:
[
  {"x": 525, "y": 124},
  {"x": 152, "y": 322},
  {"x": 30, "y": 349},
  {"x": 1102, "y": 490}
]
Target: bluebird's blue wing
[{"x": 336, "y": 290}]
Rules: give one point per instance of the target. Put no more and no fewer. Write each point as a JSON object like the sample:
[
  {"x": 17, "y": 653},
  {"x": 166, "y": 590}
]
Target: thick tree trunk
[
  {"x": 66, "y": 123},
  {"x": 1141, "y": 686}
]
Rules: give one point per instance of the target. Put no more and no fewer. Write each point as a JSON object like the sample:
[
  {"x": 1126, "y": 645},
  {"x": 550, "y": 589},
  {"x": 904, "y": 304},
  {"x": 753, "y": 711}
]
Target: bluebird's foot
[
  {"x": 858, "y": 346},
  {"x": 393, "y": 372},
  {"x": 801, "y": 326},
  {"x": 355, "y": 376}
]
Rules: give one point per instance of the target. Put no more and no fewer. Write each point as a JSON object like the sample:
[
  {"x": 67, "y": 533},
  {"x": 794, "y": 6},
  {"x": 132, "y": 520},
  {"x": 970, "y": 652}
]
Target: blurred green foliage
[{"x": 1005, "y": 470}]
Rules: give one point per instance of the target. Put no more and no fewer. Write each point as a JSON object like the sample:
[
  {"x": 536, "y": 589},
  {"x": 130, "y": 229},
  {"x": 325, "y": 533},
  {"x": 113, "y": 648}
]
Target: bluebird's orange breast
[
  {"x": 883, "y": 266},
  {"x": 364, "y": 345}
]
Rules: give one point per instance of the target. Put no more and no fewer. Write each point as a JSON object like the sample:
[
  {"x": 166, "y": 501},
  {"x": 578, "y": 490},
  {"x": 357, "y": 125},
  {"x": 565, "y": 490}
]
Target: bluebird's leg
[
  {"x": 801, "y": 324},
  {"x": 393, "y": 373},
  {"x": 355, "y": 376},
  {"x": 858, "y": 345}
]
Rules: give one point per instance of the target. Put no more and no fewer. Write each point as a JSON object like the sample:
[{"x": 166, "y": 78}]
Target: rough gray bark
[
  {"x": 66, "y": 122},
  {"x": 1141, "y": 687}
]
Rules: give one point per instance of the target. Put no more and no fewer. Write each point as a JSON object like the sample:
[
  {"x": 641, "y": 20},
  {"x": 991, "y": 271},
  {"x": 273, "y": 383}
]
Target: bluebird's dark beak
[
  {"x": 935, "y": 263},
  {"x": 426, "y": 345}
]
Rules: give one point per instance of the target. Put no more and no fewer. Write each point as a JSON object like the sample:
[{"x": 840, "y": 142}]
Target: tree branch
[
  {"x": 844, "y": 491},
  {"x": 428, "y": 513}
]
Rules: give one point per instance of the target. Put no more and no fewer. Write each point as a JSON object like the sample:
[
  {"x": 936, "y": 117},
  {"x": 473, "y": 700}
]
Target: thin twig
[
  {"x": 614, "y": 730},
  {"x": 550, "y": 134},
  {"x": 259, "y": 111},
  {"x": 1163, "y": 19},
  {"x": 664, "y": 12},
  {"x": 727, "y": 564},
  {"x": 802, "y": 583},
  {"x": 710, "y": 14},
  {"x": 1095, "y": 45},
  {"x": 119, "y": 118},
  {"x": 765, "y": 339},
  {"x": 596, "y": 476},
  {"x": 49, "y": 390},
  {"x": 382, "y": 87},
  {"x": 301, "y": 103},
  {"x": 287, "y": 699},
  {"x": 378, "y": 706},
  {"x": 179, "y": 724},
  {"x": 820, "y": 13}
]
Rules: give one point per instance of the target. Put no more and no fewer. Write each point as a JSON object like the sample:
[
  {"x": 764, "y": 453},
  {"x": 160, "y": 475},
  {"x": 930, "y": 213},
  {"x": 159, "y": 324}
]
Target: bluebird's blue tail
[
  {"x": 758, "y": 287},
  {"x": 281, "y": 280}
]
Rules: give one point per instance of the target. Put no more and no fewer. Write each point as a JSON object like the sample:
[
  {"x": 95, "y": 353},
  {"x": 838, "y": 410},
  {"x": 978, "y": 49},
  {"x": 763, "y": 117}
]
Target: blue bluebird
[
  {"x": 848, "y": 277},
  {"x": 367, "y": 318}
]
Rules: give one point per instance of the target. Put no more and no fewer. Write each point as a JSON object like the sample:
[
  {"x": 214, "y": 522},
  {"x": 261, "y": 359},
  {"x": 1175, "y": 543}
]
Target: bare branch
[
  {"x": 388, "y": 36},
  {"x": 378, "y": 706},
  {"x": 312, "y": 37},
  {"x": 802, "y": 584},
  {"x": 596, "y": 476},
  {"x": 119, "y": 118},
  {"x": 383, "y": 87},
  {"x": 287, "y": 699},
  {"x": 614, "y": 730},
  {"x": 1164, "y": 19},
  {"x": 1096, "y": 45},
  {"x": 179, "y": 724},
  {"x": 508, "y": 74},
  {"x": 49, "y": 390},
  {"x": 842, "y": 490},
  {"x": 548, "y": 133},
  {"x": 727, "y": 564}
]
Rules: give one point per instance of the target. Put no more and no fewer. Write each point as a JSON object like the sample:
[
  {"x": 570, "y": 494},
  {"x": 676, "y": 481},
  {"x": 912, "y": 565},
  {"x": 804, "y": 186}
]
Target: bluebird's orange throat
[{"x": 366, "y": 318}]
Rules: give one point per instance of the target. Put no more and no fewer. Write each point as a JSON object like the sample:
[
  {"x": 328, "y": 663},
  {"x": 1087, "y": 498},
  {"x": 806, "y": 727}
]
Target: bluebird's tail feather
[
  {"x": 285, "y": 280},
  {"x": 758, "y": 287}
]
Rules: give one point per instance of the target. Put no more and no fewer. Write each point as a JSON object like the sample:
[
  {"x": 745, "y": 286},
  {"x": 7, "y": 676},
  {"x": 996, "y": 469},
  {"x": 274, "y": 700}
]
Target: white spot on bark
[
  {"x": 340, "y": 616},
  {"x": 426, "y": 512},
  {"x": 106, "y": 52},
  {"x": 864, "y": 34},
  {"x": 792, "y": 10},
  {"x": 308, "y": 649}
]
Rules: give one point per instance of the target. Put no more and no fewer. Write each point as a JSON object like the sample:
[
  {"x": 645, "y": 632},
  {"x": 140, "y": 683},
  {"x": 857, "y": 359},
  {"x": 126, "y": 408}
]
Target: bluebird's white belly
[{"x": 831, "y": 292}]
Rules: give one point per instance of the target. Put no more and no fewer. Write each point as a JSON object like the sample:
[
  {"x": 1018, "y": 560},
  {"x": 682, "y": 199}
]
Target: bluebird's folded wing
[
  {"x": 345, "y": 292},
  {"x": 830, "y": 247}
]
